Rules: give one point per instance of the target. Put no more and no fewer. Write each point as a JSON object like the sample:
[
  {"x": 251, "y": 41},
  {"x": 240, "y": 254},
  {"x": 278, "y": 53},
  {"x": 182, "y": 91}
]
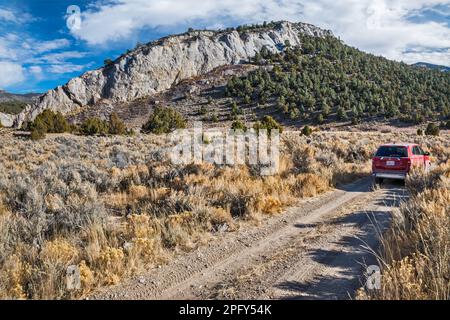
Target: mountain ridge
[
  {"x": 432, "y": 66},
  {"x": 158, "y": 65},
  {"x": 6, "y": 96}
]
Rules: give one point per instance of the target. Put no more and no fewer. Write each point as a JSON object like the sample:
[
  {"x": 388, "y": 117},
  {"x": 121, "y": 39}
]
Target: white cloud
[
  {"x": 423, "y": 54},
  {"x": 378, "y": 26},
  {"x": 45, "y": 46},
  {"x": 25, "y": 58},
  {"x": 12, "y": 73},
  {"x": 58, "y": 57},
  {"x": 7, "y": 15},
  {"x": 382, "y": 27},
  {"x": 21, "y": 47},
  {"x": 36, "y": 72},
  {"x": 124, "y": 17},
  {"x": 66, "y": 68},
  {"x": 11, "y": 16}
]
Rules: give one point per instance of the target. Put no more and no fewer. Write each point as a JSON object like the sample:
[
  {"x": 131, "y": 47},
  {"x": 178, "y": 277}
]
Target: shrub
[
  {"x": 342, "y": 114},
  {"x": 268, "y": 123},
  {"x": 294, "y": 114},
  {"x": 238, "y": 125},
  {"x": 116, "y": 125},
  {"x": 307, "y": 131},
  {"x": 320, "y": 119},
  {"x": 432, "y": 130},
  {"x": 355, "y": 121},
  {"x": 108, "y": 62},
  {"x": 203, "y": 110},
  {"x": 164, "y": 120},
  {"x": 48, "y": 122},
  {"x": 60, "y": 124},
  {"x": 52, "y": 122},
  {"x": 419, "y": 132},
  {"x": 235, "y": 109},
  {"x": 215, "y": 118},
  {"x": 94, "y": 126},
  {"x": 37, "y": 133}
]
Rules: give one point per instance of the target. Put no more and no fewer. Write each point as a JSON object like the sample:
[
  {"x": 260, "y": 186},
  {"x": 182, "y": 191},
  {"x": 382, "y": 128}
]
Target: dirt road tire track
[{"x": 312, "y": 251}]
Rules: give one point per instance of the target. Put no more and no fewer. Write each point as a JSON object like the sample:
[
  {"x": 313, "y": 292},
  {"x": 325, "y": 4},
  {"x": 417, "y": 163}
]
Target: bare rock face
[
  {"x": 155, "y": 67},
  {"x": 6, "y": 120}
]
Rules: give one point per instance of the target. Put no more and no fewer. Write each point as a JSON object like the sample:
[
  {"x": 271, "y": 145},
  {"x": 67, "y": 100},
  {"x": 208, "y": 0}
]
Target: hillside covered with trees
[{"x": 326, "y": 80}]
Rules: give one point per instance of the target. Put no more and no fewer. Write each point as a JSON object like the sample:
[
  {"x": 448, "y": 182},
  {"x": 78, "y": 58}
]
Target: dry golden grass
[{"x": 115, "y": 206}]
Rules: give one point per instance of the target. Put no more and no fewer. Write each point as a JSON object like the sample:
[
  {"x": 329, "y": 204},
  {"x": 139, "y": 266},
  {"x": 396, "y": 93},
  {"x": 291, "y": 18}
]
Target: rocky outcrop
[
  {"x": 7, "y": 120},
  {"x": 157, "y": 66}
]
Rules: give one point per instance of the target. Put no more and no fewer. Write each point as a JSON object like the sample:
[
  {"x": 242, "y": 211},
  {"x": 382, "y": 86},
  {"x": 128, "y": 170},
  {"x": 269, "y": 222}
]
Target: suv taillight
[
  {"x": 376, "y": 162},
  {"x": 407, "y": 162}
]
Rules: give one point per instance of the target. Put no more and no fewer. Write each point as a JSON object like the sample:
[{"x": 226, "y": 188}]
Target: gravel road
[{"x": 316, "y": 250}]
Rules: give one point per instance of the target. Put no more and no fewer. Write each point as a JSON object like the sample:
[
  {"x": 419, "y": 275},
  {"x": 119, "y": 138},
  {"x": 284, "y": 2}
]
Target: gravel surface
[{"x": 316, "y": 250}]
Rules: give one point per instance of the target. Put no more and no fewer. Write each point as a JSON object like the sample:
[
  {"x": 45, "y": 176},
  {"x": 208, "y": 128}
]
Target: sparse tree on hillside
[
  {"x": 432, "y": 130},
  {"x": 164, "y": 120},
  {"x": 108, "y": 62}
]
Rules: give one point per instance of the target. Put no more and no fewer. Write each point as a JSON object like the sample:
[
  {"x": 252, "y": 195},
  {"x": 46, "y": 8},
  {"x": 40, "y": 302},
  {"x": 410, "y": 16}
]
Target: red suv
[{"x": 394, "y": 161}]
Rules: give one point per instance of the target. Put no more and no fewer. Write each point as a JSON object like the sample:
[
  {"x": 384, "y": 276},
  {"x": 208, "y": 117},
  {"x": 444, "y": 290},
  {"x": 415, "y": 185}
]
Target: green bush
[
  {"x": 419, "y": 132},
  {"x": 51, "y": 122},
  {"x": 307, "y": 131},
  {"x": 294, "y": 114},
  {"x": 320, "y": 118},
  {"x": 269, "y": 124},
  {"x": 432, "y": 130},
  {"x": 164, "y": 120},
  {"x": 116, "y": 126},
  {"x": 108, "y": 62},
  {"x": 203, "y": 110},
  {"x": 48, "y": 122},
  {"x": 38, "y": 133},
  {"x": 93, "y": 126},
  {"x": 215, "y": 117},
  {"x": 238, "y": 125},
  {"x": 342, "y": 114}
]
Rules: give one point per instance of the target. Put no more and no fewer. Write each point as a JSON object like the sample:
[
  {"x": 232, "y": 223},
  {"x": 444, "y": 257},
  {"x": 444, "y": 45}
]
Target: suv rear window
[{"x": 399, "y": 152}]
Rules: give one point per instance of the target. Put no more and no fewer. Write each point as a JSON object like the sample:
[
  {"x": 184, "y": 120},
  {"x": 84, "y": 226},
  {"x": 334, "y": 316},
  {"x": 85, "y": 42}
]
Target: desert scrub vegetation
[
  {"x": 12, "y": 107},
  {"x": 164, "y": 120},
  {"x": 114, "y": 206},
  {"x": 268, "y": 123},
  {"x": 54, "y": 122},
  {"x": 415, "y": 258},
  {"x": 97, "y": 126},
  {"x": 48, "y": 122}
]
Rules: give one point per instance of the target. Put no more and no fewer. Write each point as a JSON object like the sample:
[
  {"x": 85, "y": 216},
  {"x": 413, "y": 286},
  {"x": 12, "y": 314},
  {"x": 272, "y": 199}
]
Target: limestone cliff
[{"x": 157, "y": 66}]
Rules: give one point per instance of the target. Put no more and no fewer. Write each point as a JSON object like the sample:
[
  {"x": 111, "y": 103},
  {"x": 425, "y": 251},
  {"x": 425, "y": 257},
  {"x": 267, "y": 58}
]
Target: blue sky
[{"x": 38, "y": 51}]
